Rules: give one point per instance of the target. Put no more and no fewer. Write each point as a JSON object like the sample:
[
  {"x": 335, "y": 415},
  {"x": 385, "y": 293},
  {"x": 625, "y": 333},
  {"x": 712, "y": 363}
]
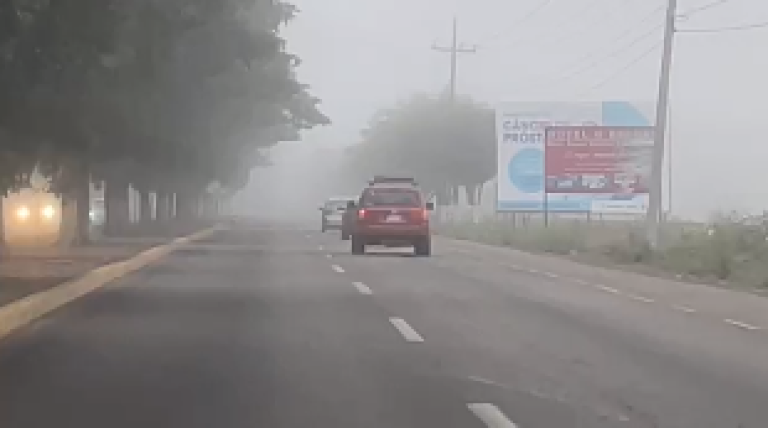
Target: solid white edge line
[
  {"x": 362, "y": 288},
  {"x": 491, "y": 416},
  {"x": 337, "y": 268},
  {"x": 406, "y": 330},
  {"x": 742, "y": 324}
]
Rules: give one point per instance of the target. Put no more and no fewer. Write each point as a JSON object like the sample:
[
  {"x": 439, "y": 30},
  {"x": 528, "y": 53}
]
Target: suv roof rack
[{"x": 381, "y": 179}]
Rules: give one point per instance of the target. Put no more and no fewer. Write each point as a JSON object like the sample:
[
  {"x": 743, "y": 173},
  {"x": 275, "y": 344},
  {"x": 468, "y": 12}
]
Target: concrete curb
[{"x": 22, "y": 312}]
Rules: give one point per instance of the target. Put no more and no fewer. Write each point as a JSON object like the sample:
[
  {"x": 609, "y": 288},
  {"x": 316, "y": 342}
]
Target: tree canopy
[
  {"x": 176, "y": 92},
  {"x": 444, "y": 144}
]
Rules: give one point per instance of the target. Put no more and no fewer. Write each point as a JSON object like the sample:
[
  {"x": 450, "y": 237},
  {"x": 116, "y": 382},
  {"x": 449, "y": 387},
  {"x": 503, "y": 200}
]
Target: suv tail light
[{"x": 361, "y": 214}]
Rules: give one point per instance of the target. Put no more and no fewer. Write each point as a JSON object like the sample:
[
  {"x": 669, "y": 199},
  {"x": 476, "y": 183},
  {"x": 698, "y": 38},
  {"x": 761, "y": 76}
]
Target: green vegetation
[
  {"x": 166, "y": 96},
  {"x": 732, "y": 249}
]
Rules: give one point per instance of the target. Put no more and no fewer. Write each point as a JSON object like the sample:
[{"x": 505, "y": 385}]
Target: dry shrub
[{"x": 731, "y": 248}]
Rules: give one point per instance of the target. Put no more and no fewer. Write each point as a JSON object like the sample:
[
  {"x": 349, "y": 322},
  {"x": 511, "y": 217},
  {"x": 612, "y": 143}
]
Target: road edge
[{"x": 22, "y": 312}]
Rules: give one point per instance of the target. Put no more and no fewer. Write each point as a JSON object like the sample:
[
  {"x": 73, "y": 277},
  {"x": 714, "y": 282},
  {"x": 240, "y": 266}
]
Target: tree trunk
[
  {"x": 145, "y": 208},
  {"x": 82, "y": 200},
  {"x": 163, "y": 206},
  {"x": 115, "y": 207},
  {"x": 186, "y": 204},
  {"x": 2, "y": 224}
]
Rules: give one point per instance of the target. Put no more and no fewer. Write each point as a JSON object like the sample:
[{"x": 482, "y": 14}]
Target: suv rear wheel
[
  {"x": 358, "y": 245},
  {"x": 423, "y": 247}
]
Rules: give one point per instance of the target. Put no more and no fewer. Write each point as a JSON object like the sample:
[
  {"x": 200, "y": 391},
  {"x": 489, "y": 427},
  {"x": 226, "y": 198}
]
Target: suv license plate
[{"x": 394, "y": 218}]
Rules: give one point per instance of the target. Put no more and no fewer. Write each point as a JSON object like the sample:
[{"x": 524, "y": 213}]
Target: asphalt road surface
[{"x": 270, "y": 327}]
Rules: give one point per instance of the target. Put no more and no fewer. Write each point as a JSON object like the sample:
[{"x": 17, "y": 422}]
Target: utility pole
[
  {"x": 455, "y": 49},
  {"x": 669, "y": 163},
  {"x": 655, "y": 192}
]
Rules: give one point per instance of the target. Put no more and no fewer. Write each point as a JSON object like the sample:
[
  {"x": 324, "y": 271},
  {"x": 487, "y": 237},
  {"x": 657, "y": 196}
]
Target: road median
[{"x": 35, "y": 283}]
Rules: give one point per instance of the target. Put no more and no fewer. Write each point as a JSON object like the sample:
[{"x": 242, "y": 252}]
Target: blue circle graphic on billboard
[{"x": 525, "y": 170}]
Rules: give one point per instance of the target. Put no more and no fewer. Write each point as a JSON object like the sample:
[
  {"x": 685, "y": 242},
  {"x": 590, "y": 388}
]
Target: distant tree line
[{"x": 447, "y": 145}]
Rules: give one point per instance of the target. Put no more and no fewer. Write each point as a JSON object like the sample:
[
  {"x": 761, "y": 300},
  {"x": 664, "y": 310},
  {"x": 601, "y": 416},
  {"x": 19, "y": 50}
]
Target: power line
[
  {"x": 726, "y": 29},
  {"x": 621, "y": 36},
  {"x": 589, "y": 25},
  {"x": 614, "y": 53},
  {"x": 624, "y": 69},
  {"x": 695, "y": 10},
  {"x": 558, "y": 25},
  {"x": 514, "y": 25}
]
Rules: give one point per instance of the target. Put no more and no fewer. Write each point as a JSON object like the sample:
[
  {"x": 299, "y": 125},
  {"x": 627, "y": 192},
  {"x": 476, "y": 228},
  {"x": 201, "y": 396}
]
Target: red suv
[{"x": 391, "y": 211}]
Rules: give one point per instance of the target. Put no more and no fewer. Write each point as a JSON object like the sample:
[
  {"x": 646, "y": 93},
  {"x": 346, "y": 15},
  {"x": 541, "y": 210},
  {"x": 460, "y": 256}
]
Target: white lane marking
[
  {"x": 337, "y": 268},
  {"x": 551, "y": 275},
  {"x": 742, "y": 324},
  {"x": 683, "y": 309},
  {"x": 307, "y": 236},
  {"x": 516, "y": 267},
  {"x": 491, "y": 416},
  {"x": 580, "y": 281},
  {"x": 533, "y": 271},
  {"x": 607, "y": 289},
  {"x": 406, "y": 330},
  {"x": 320, "y": 247},
  {"x": 640, "y": 298},
  {"x": 362, "y": 288},
  {"x": 328, "y": 256}
]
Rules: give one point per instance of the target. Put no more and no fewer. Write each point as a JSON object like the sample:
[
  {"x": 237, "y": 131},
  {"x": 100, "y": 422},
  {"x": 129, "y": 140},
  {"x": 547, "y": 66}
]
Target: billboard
[
  {"x": 520, "y": 130},
  {"x": 597, "y": 168}
]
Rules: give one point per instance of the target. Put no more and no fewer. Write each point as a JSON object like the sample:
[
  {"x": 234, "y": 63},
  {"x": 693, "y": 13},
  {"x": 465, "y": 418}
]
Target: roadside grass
[{"x": 731, "y": 250}]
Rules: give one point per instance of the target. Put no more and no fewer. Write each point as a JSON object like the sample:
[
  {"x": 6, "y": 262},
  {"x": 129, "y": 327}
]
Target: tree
[
  {"x": 444, "y": 144},
  {"x": 165, "y": 95}
]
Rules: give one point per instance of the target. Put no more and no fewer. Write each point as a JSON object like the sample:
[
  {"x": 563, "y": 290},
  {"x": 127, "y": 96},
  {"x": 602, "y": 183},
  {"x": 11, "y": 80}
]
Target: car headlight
[
  {"x": 48, "y": 212},
  {"x": 22, "y": 213}
]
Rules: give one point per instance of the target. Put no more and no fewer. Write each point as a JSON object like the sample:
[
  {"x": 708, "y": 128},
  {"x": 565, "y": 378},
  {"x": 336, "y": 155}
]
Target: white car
[{"x": 332, "y": 212}]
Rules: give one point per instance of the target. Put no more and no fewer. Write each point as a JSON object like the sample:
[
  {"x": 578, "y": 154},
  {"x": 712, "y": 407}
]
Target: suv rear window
[
  {"x": 335, "y": 205},
  {"x": 391, "y": 197}
]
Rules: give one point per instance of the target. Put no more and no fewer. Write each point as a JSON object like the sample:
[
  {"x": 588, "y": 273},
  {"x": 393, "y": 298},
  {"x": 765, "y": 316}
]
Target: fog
[{"x": 362, "y": 55}]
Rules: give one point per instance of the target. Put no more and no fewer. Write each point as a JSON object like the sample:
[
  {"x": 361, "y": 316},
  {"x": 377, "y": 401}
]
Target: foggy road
[{"x": 279, "y": 327}]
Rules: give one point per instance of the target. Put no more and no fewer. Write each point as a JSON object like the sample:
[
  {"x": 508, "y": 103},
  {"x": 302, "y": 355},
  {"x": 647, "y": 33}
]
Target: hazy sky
[{"x": 360, "y": 55}]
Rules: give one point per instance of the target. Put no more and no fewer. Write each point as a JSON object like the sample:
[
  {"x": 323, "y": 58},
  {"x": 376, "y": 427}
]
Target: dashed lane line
[
  {"x": 685, "y": 309},
  {"x": 607, "y": 289},
  {"x": 337, "y": 268},
  {"x": 362, "y": 288},
  {"x": 631, "y": 296},
  {"x": 740, "y": 324},
  {"x": 406, "y": 330},
  {"x": 640, "y": 298},
  {"x": 491, "y": 416}
]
